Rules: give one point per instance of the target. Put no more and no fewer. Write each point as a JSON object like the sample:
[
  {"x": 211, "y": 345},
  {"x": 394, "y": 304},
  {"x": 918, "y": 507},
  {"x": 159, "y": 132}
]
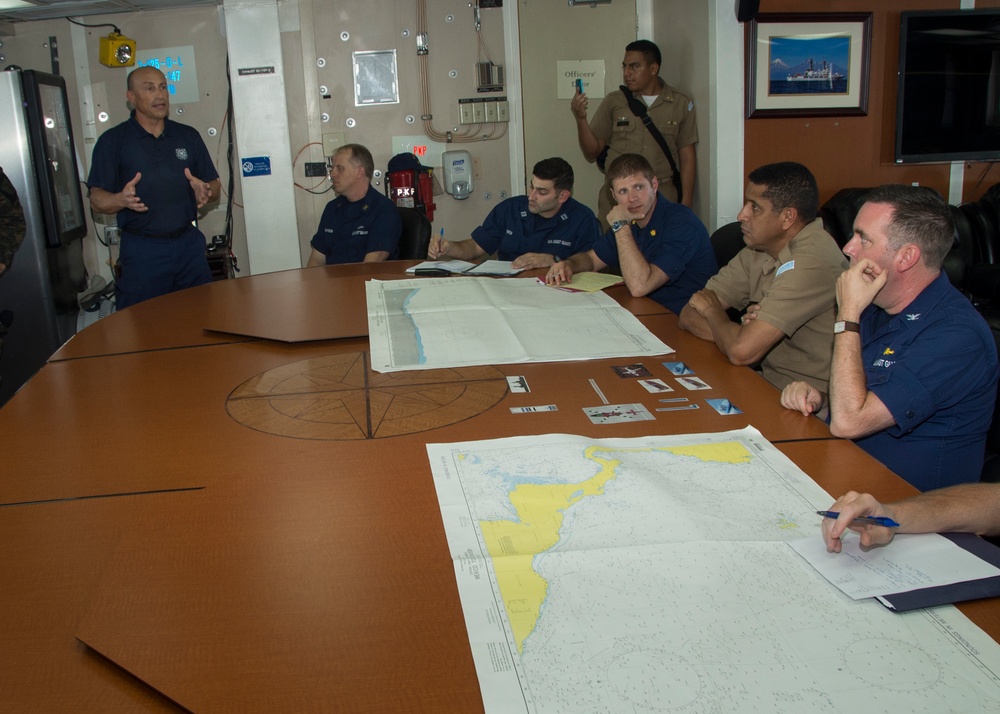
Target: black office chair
[
  {"x": 991, "y": 466},
  {"x": 839, "y": 212},
  {"x": 416, "y": 234},
  {"x": 727, "y": 241}
]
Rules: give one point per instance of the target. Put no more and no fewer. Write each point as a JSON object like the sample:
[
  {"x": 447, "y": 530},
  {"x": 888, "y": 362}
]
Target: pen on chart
[{"x": 867, "y": 520}]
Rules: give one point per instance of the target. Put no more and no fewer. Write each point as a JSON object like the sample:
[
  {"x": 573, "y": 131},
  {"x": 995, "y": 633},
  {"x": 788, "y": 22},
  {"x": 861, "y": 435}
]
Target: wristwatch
[
  {"x": 845, "y": 326},
  {"x": 618, "y": 225}
]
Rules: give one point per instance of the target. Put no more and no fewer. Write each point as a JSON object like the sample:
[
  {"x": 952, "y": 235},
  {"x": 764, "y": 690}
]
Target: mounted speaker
[{"x": 746, "y": 10}]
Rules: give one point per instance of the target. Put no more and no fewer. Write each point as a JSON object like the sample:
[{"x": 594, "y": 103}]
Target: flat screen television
[{"x": 948, "y": 101}]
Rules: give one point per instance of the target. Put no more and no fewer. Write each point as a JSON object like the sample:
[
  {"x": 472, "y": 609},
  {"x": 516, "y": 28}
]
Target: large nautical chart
[
  {"x": 652, "y": 575},
  {"x": 429, "y": 323}
]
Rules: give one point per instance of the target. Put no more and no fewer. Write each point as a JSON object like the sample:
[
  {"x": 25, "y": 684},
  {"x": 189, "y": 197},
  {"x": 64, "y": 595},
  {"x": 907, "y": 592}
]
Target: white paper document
[
  {"x": 654, "y": 575},
  {"x": 434, "y": 323},
  {"x": 910, "y": 562},
  {"x": 452, "y": 266}
]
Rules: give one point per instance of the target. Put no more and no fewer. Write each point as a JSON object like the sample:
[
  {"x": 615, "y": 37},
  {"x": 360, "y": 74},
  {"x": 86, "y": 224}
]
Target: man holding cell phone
[{"x": 618, "y": 126}]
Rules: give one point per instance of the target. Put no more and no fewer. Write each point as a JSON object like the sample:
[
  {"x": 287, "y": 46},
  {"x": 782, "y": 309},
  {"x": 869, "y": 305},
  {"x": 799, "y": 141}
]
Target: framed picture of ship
[{"x": 812, "y": 64}]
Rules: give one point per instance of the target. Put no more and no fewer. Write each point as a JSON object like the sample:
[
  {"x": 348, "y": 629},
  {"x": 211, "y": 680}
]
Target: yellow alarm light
[{"x": 117, "y": 51}]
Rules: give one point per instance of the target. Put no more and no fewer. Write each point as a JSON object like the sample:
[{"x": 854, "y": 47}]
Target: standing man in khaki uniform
[{"x": 616, "y": 128}]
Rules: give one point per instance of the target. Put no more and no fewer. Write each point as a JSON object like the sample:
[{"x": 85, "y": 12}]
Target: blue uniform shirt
[
  {"x": 127, "y": 149},
  {"x": 677, "y": 243},
  {"x": 349, "y": 230},
  {"x": 934, "y": 366},
  {"x": 510, "y": 230}
]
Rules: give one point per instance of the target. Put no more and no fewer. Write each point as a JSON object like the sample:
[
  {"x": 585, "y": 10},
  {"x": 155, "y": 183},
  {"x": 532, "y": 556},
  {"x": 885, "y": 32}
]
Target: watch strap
[{"x": 846, "y": 326}]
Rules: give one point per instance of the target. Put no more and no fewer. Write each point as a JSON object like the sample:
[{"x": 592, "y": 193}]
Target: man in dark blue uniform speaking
[
  {"x": 360, "y": 225},
  {"x": 533, "y": 231},
  {"x": 154, "y": 174}
]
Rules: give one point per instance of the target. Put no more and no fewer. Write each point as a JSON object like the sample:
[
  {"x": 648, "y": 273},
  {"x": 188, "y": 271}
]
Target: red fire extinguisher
[{"x": 410, "y": 184}]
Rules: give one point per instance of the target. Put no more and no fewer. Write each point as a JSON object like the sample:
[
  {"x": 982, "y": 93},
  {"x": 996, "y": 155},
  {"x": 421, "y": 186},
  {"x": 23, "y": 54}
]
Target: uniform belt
[{"x": 170, "y": 235}]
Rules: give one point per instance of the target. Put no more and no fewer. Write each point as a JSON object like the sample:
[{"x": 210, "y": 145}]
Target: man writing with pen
[
  {"x": 533, "y": 231},
  {"x": 966, "y": 508}
]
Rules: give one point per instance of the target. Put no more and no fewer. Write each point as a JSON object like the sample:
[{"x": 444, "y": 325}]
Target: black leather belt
[{"x": 169, "y": 236}]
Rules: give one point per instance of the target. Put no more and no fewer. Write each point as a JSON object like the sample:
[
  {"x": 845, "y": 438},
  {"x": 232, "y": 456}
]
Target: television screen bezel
[
  {"x": 57, "y": 233},
  {"x": 943, "y": 156}
]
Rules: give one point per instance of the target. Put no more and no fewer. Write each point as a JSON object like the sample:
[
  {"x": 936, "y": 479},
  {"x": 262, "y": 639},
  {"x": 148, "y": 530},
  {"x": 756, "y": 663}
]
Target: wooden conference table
[{"x": 223, "y": 522}]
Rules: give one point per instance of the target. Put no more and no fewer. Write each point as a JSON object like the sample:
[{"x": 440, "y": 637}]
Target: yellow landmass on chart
[
  {"x": 728, "y": 453},
  {"x": 513, "y": 544}
]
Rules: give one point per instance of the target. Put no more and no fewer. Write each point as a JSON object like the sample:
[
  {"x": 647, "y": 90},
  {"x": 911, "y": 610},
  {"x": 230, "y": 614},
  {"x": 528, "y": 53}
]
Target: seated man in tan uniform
[{"x": 786, "y": 276}]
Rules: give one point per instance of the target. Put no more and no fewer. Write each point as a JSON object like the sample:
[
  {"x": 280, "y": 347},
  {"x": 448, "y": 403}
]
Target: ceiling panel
[{"x": 49, "y": 9}]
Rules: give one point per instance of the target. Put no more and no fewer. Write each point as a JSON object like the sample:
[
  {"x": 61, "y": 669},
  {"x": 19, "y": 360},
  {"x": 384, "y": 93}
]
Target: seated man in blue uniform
[
  {"x": 154, "y": 174},
  {"x": 533, "y": 231},
  {"x": 914, "y": 373},
  {"x": 661, "y": 248},
  {"x": 360, "y": 225}
]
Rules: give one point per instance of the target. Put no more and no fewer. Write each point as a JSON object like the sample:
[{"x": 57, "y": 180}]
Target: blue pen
[{"x": 868, "y": 520}]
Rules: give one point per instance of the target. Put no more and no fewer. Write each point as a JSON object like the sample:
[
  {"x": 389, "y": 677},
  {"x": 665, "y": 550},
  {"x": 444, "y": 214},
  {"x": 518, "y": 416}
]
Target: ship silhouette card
[
  {"x": 655, "y": 386},
  {"x": 693, "y": 383},
  {"x": 518, "y": 385},
  {"x": 678, "y": 368},
  {"x": 724, "y": 406}
]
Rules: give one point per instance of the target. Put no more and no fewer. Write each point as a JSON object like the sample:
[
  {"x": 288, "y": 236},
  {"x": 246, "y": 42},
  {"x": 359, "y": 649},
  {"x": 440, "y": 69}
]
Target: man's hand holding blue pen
[
  {"x": 438, "y": 247},
  {"x": 864, "y": 520},
  {"x": 862, "y": 513}
]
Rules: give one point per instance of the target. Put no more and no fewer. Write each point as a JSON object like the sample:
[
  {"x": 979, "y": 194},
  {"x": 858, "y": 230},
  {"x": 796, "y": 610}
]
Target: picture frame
[{"x": 808, "y": 64}]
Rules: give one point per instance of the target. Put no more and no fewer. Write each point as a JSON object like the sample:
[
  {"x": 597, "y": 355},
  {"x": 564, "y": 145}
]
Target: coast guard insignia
[{"x": 181, "y": 153}]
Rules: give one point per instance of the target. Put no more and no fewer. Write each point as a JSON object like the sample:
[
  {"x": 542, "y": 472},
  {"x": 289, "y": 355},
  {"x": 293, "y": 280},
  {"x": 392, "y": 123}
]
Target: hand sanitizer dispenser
[{"x": 457, "y": 168}]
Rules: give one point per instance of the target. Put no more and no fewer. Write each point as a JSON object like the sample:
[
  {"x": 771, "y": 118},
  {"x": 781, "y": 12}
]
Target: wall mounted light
[{"x": 117, "y": 51}]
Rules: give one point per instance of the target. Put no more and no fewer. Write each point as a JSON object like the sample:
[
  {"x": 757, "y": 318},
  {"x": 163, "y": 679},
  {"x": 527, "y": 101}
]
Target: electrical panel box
[
  {"x": 332, "y": 142},
  {"x": 465, "y": 111},
  {"x": 483, "y": 110},
  {"x": 315, "y": 169}
]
